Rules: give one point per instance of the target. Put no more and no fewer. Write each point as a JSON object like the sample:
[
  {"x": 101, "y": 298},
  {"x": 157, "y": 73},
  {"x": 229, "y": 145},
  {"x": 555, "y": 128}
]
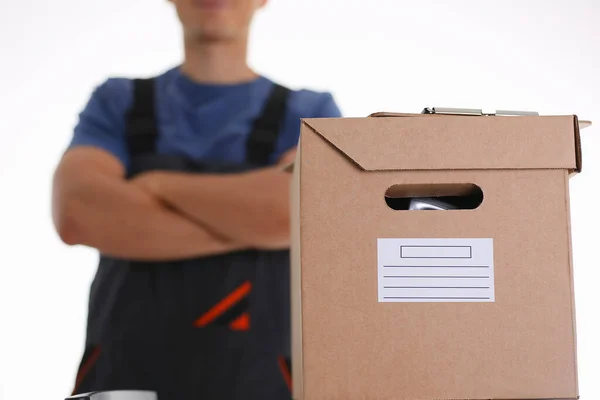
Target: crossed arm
[{"x": 165, "y": 215}]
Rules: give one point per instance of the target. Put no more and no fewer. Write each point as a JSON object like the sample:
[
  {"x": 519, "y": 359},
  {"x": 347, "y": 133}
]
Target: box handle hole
[{"x": 459, "y": 196}]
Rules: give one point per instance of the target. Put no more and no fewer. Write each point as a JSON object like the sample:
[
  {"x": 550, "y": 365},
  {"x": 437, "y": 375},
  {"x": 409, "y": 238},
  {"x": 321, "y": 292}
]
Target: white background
[{"x": 375, "y": 55}]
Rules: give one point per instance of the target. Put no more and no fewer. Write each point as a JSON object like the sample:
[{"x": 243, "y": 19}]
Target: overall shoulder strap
[
  {"x": 141, "y": 125},
  {"x": 266, "y": 128}
]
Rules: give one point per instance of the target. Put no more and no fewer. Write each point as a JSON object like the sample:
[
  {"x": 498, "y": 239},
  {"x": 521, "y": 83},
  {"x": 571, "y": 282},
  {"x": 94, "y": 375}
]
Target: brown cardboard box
[{"x": 491, "y": 315}]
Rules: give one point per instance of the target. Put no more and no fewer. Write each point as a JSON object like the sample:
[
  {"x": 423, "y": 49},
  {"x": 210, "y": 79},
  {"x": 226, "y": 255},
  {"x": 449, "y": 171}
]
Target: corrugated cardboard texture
[{"x": 522, "y": 346}]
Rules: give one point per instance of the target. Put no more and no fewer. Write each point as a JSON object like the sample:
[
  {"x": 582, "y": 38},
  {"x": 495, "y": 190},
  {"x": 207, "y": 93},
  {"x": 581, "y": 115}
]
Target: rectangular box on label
[
  {"x": 424, "y": 251},
  {"x": 431, "y": 258}
]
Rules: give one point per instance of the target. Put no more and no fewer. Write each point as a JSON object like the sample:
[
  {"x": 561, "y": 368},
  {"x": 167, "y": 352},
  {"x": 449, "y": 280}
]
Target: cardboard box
[{"x": 421, "y": 305}]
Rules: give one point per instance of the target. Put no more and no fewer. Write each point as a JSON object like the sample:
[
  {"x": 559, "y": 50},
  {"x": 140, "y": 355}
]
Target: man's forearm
[
  {"x": 122, "y": 220},
  {"x": 251, "y": 207}
]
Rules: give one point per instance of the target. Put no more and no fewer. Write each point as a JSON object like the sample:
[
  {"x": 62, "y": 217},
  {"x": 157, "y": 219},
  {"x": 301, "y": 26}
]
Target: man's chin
[{"x": 212, "y": 35}]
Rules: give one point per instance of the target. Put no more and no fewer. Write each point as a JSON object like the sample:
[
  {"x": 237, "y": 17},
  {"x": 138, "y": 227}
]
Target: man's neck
[{"x": 218, "y": 62}]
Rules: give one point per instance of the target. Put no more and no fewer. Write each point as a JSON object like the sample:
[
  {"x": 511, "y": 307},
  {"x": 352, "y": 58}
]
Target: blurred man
[{"x": 178, "y": 182}]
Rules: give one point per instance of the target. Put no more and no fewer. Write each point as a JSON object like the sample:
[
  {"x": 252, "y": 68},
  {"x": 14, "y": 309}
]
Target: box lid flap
[{"x": 434, "y": 142}]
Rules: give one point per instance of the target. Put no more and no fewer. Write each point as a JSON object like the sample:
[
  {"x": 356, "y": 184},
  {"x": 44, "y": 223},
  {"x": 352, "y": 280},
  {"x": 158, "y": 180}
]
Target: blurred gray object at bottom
[{"x": 116, "y": 395}]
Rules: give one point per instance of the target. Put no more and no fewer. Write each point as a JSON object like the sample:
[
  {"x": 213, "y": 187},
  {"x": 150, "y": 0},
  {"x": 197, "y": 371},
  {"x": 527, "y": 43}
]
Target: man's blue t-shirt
[{"x": 200, "y": 121}]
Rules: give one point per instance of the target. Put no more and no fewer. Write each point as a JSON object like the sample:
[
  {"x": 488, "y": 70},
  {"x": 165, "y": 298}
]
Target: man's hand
[
  {"x": 150, "y": 181},
  {"x": 287, "y": 158}
]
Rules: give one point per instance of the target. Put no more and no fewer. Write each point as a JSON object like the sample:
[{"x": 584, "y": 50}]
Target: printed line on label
[
  {"x": 433, "y": 276},
  {"x": 436, "y": 287},
  {"x": 435, "y": 266},
  {"x": 439, "y": 298}
]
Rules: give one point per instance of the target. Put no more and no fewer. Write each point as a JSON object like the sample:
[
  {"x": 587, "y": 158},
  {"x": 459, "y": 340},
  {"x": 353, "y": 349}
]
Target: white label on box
[{"x": 435, "y": 270}]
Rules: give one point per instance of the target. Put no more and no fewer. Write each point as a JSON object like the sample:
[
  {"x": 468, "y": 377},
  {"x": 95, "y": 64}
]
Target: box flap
[
  {"x": 442, "y": 142},
  {"x": 577, "y": 126}
]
